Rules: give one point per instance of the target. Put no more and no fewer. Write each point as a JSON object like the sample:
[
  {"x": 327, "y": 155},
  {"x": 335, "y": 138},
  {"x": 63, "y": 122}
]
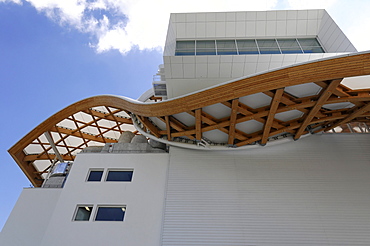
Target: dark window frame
[
  {"x": 113, "y": 175},
  {"x": 94, "y": 179},
  {"x": 79, "y": 212},
  {"x": 110, "y": 213}
]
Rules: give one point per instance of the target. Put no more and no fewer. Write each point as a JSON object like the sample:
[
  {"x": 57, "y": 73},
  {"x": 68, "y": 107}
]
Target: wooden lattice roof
[{"x": 225, "y": 114}]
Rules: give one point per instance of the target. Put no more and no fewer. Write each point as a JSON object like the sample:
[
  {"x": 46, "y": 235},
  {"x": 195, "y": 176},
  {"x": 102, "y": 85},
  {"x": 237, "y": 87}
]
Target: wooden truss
[{"x": 101, "y": 119}]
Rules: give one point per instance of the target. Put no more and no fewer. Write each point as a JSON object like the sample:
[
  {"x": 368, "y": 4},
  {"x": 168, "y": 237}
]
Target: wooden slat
[
  {"x": 270, "y": 118},
  {"x": 313, "y": 72},
  {"x": 168, "y": 127},
  {"x": 320, "y": 102},
  {"x": 234, "y": 112},
  {"x": 82, "y": 135},
  {"x": 152, "y": 128},
  {"x": 34, "y": 157},
  {"x": 353, "y": 115},
  {"x": 198, "y": 124}
]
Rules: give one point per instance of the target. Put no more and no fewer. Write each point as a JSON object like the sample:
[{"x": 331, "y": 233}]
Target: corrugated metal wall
[{"x": 315, "y": 191}]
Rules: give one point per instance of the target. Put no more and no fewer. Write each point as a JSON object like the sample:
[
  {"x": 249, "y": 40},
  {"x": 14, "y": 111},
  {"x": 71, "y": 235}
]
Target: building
[{"x": 242, "y": 147}]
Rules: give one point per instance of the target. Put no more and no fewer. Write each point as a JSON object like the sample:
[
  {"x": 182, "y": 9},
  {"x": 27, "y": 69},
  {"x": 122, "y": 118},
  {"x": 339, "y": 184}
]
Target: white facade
[
  {"x": 310, "y": 192},
  {"x": 185, "y": 74},
  {"x": 315, "y": 191},
  {"x": 45, "y": 216}
]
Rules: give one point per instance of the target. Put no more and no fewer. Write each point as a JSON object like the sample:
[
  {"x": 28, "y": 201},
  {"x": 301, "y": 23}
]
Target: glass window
[
  {"x": 246, "y": 47},
  {"x": 226, "y": 47},
  {"x": 83, "y": 213},
  {"x": 110, "y": 213},
  {"x": 308, "y": 42},
  {"x": 95, "y": 175},
  {"x": 123, "y": 176},
  {"x": 268, "y": 46},
  {"x": 313, "y": 50},
  {"x": 206, "y": 48},
  {"x": 310, "y": 45},
  {"x": 289, "y": 46},
  {"x": 185, "y": 48}
]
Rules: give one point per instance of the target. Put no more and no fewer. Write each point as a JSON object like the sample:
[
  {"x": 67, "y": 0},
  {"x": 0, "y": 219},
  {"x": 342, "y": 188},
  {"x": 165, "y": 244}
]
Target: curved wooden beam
[{"x": 320, "y": 72}]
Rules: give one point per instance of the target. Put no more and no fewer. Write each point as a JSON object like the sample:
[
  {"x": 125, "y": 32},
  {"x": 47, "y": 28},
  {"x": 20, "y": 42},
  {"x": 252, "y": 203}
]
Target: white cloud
[
  {"x": 311, "y": 4},
  {"x": 125, "y": 24},
  {"x": 12, "y": 1}
]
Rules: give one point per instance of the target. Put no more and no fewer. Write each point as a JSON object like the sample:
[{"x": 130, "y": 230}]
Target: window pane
[
  {"x": 185, "y": 48},
  {"x": 267, "y": 43},
  {"x": 95, "y": 176},
  {"x": 247, "y": 47},
  {"x": 246, "y": 43},
  {"x": 228, "y": 44},
  {"x": 124, "y": 176},
  {"x": 185, "y": 44},
  {"x": 268, "y": 46},
  {"x": 269, "y": 51},
  {"x": 110, "y": 214},
  {"x": 289, "y": 46},
  {"x": 308, "y": 42},
  {"x": 310, "y": 45},
  {"x": 206, "y": 44},
  {"x": 83, "y": 213},
  {"x": 206, "y": 48},
  {"x": 184, "y": 53},
  {"x": 313, "y": 50},
  {"x": 291, "y": 50},
  {"x": 288, "y": 43},
  {"x": 226, "y": 47}
]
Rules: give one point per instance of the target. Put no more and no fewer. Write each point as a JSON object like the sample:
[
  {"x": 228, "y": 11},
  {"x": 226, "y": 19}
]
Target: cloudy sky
[{"x": 54, "y": 53}]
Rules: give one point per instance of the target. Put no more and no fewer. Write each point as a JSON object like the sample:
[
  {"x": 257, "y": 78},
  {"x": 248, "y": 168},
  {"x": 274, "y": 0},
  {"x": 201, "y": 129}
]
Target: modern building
[{"x": 257, "y": 136}]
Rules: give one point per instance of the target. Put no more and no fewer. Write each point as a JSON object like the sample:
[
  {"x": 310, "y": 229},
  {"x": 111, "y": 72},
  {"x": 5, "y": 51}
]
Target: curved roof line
[{"x": 327, "y": 73}]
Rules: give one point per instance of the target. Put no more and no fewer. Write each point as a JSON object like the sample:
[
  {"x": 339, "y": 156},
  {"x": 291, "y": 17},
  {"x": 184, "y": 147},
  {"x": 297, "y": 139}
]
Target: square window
[
  {"x": 83, "y": 213},
  {"x": 116, "y": 213},
  {"x": 95, "y": 175},
  {"x": 122, "y": 176}
]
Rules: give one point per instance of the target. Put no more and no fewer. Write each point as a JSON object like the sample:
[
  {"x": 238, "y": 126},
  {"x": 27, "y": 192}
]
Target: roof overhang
[{"x": 241, "y": 112}]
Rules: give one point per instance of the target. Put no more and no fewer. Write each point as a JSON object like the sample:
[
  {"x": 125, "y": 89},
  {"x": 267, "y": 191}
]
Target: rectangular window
[
  {"x": 95, "y": 175},
  {"x": 226, "y": 47},
  {"x": 268, "y": 46},
  {"x": 247, "y": 47},
  {"x": 83, "y": 213},
  {"x": 116, "y": 213},
  {"x": 206, "y": 48},
  {"x": 289, "y": 46},
  {"x": 185, "y": 48},
  {"x": 122, "y": 176},
  {"x": 310, "y": 45}
]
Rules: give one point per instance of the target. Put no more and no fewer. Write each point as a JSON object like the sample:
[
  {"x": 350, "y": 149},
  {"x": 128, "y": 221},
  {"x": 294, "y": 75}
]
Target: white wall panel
[
  {"x": 230, "y": 29},
  {"x": 240, "y": 29},
  {"x": 201, "y": 30},
  {"x": 271, "y": 28},
  {"x": 211, "y": 29},
  {"x": 314, "y": 191}
]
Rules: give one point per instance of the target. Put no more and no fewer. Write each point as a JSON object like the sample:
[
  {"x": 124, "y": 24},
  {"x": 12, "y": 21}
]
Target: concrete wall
[{"x": 315, "y": 191}]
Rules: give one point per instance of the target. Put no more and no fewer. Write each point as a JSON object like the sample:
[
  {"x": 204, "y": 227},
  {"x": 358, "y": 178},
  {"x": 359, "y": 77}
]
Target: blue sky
[{"x": 54, "y": 53}]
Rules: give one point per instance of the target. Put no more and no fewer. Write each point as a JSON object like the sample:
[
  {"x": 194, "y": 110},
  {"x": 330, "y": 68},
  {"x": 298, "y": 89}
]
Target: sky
[{"x": 54, "y": 53}]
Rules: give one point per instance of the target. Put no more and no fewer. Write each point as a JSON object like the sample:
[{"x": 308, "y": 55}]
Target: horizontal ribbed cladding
[{"x": 315, "y": 191}]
